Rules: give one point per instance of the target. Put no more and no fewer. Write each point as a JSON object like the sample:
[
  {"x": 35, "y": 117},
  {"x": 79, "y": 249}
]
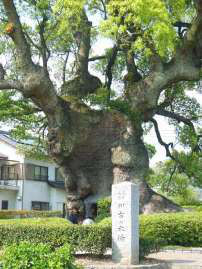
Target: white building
[{"x": 27, "y": 184}]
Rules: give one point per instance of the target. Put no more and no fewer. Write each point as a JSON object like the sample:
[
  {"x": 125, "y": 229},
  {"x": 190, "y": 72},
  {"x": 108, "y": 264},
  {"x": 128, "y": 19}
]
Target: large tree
[{"x": 94, "y": 135}]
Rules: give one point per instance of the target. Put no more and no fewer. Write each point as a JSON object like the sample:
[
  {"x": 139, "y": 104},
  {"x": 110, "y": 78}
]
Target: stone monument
[{"x": 125, "y": 223}]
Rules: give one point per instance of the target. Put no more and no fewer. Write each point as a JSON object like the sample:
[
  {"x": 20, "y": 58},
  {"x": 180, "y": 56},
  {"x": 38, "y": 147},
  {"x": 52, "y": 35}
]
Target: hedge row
[
  {"x": 89, "y": 238},
  {"x": 183, "y": 229},
  {"x": 13, "y": 214},
  {"x": 92, "y": 239}
]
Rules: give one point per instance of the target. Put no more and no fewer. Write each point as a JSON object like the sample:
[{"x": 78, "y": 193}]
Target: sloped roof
[
  {"x": 11, "y": 141},
  {"x": 3, "y": 156}
]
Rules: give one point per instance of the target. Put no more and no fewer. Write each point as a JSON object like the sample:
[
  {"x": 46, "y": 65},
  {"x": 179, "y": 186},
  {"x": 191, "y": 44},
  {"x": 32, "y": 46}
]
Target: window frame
[
  {"x": 40, "y": 176},
  {"x": 3, "y": 201},
  {"x": 40, "y": 205}
]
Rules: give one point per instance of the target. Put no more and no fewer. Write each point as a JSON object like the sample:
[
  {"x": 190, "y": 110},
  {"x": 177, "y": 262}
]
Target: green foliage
[
  {"x": 191, "y": 163},
  {"x": 188, "y": 197},
  {"x": 196, "y": 207},
  {"x": 150, "y": 21},
  {"x": 183, "y": 229},
  {"x": 169, "y": 179},
  {"x": 36, "y": 152},
  {"x": 150, "y": 149},
  {"x": 12, "y": 214},
  {"x": 149, "y": 245},
  {"x": 37, "y": 256},
  {"x": 19, "y": 113},
  {"x": 157, "y": 230},
  {"x": 93, "y": 238},
  {"x": 103, "y": 208}
]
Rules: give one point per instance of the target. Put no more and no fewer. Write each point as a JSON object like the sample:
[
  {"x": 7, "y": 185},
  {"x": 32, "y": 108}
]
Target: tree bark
[{"x": 106, "y": 149}]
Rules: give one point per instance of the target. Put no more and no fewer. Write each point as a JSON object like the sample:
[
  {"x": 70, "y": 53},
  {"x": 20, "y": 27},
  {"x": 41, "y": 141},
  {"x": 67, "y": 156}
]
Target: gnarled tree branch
[
  {"x": 23, "y": 49},
  {"x": 161, "y": 142},
  {"x": 177, "y": 117}
]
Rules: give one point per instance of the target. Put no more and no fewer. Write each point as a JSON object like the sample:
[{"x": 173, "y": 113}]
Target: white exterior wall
[
  {"x": 42, "y": 192},
  {"x": 57, "y": 198},
  {"x": 10, "y": 196},
  {"x": 35, "y": 191}
]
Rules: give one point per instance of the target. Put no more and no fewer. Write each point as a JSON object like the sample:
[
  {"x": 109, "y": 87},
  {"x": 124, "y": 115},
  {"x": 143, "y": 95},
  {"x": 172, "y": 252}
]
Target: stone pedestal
[{"x": 125, "y": 223}]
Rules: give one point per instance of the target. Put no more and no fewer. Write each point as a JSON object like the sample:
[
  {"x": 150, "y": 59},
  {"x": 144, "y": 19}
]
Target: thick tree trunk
[{"x": 105, "y": 149}]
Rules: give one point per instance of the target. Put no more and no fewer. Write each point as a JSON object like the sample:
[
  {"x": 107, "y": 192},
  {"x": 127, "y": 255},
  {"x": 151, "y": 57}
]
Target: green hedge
[
  {"x": 93, "y": 239},
  {"x": 183, "y": 229},
  {"x": 89, "y": 238},
  {"x": 13, "y": 214}
]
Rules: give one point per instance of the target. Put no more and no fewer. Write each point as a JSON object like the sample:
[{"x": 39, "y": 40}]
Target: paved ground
[
  {"x": 169, "y": 259},
  {"x": 181, "y": 258}
]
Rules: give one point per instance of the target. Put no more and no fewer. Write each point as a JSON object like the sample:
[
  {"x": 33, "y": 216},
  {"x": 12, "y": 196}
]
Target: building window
[
  {"x": 42, "y": 206},
  {"x": 4, "y": 205},
  {"x": 41, "y": 173},
  {"x": 8, "y": 172},
  {"x": 58, "y": 175}
]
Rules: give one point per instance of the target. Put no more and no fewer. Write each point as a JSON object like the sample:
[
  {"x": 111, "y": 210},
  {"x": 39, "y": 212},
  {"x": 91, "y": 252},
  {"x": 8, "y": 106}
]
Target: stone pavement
[
  {"x": 167, "y": 259},
  {"x": 180, "y": 259}
]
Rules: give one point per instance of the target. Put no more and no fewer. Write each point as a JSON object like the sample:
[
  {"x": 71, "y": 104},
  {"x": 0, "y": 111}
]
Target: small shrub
[
  {"x": 103, "y": 206},
  {"x": 37, "y": 256},
  {"x": 62, "y": 258}
]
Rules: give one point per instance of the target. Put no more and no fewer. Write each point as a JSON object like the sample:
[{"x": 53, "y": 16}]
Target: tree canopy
[{"x": 50, "y": 67}]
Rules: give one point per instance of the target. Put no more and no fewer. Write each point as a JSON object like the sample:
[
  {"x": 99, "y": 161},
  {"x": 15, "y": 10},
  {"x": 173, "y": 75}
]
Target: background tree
[
  {"x": 155, "y": 57},
  {"x": 170, "y": 180}
]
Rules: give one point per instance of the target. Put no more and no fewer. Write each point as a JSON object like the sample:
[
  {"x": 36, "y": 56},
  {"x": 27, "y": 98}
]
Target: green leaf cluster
[
  {"x": 38, "y": 256},
  {"x": 151, "y": 23},
  {"x": 177, "y": 229}
]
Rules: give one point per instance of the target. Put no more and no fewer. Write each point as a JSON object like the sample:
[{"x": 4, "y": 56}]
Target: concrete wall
[{"x": 10, "y": 196}]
